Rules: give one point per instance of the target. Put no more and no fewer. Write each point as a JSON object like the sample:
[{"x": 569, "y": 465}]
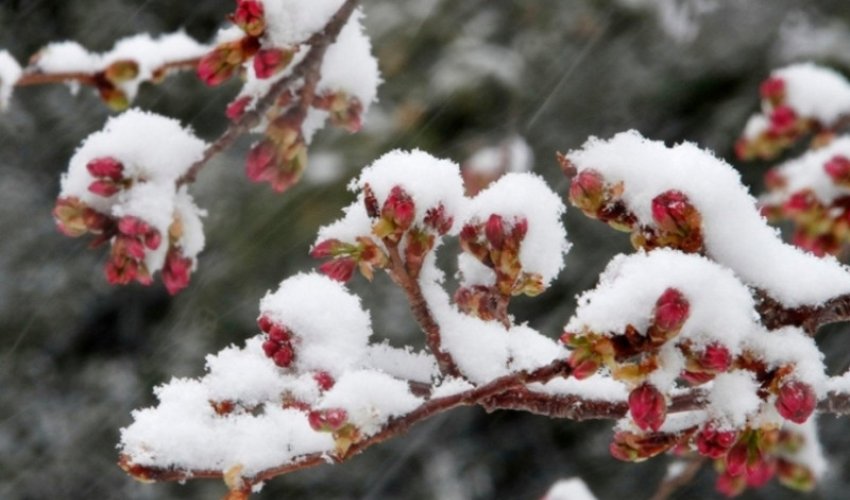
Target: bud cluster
[
  {"x": 820, "y": 226},
  {"x": 782, "y": 125},
  {"x": 364, "y": 255},
  {"x": 278, "y": 344},
  {"x": 227, "y": 58},
  {"x": 335, "y": 421},
  {"x": 676, "y": 222}
]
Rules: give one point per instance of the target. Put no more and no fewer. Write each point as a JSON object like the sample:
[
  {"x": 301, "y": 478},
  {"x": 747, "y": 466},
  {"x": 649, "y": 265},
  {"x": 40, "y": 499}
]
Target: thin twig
[{"x": 32, "y": 77}]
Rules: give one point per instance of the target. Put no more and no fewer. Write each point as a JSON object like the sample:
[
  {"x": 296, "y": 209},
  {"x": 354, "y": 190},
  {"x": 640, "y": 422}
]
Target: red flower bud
[
  {"x": 324, "y": 380},
  {"x": 436, "y": 219},
  {"x": 327, "y": 420},
  {"x": 284, "y": 356},
  {"x": 249, "y": 17},
  {"x": 587, "y": 192},
  {"x": 760, "y": 472},
  {"x": 713, "y": 443},
  {"x": 341, "y": 269},
  {"x": 494, "y": 230},
  {"x": 715, "y": 358},
  {"x": 133, "y": 226},
  {"x": 795, "y": 401},
  {"x": 647, "y": 407},
  {"x": 279, "y": 334},
  {"x": 236, "y": 109},
  {"x": 267, "y": 62},
  {"x": 399, "y": 208},
  {"x": 671, "y": 310},
  {"x": 730, "y": 485},
  {"x": 783, "y": 119},
  {"x": 772, "y": 89},
  {"x": 153, "y": 239},
  {"x": 673, "y": 213},
  {"x": 270, "y": 347},
  {"x": 261, "y": 161},
  {"x": 103, "y": 188},
  {"x": 327, "y": 248},
  {"x": 839, "y": 169},
  {"x": 106, "y": 167},
  {"x": 736, "y": 459},
  {"x": 265, "y": 323},
  {"x": 175, "y": 273}
]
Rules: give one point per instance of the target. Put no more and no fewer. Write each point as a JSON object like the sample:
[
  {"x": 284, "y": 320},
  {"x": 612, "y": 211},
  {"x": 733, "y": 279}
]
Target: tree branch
[
  {"x": 775, "y": 315},
  {"x": 308, "y": 68},
  {"x": 32, "y": 77}
]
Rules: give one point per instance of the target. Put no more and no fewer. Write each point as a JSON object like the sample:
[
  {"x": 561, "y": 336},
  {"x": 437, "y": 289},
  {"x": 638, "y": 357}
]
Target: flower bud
[
  {"x": 587, "y": 192},
  {"x": 236, "y": 109},
  {"x": 103, "y": 188},
  {"x": 671, "y": 311},
  {"x": 838, "y": 168},
  {"x": 175, "y": 272},
  {"x": 267, "y": 62},
  {"x": 436, "y": 219},
  {"x": 284, "y": 356},
  {"x": 261, "y": 161},
  {"x": 736, "y": 459},
  {"x": 249, "y": 17},
  {"x": 772, "y": 89},
  {"x": 399, "y": 208},
  {"x": 340, "y": 269},
  {"x": 783, "y": 121},
  {"x": 647, "y": 407},
  {"x": 715, "y": 358},
  {"x": 730, "y": 485},
  {"x": 121, "y": 71},
  {"x": 494, "y": 230},
  {"x": 329, "y": 248},
  {"x": 795, "y": 476},
  {"x": 327, "y": 420},
  {"x": 69, "y": 214},
  {"x": 106, "y": 166},
  {"x": 713, "y": 443},
  {"x": 796, "y": 401},
  {"x": 324, "y": 380},
  {"x": 673, "y": 213},
  {"x": 760, "y": 471}
]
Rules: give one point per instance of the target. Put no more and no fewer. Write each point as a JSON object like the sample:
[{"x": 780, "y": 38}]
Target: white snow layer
[
  {"x": 807, "y": 172},
  {"x": 735, "y": 233},
  {"x": 10, "y": 72},
  {"x": 569, "y": 489},
  {"x": 815, "y": 91}
]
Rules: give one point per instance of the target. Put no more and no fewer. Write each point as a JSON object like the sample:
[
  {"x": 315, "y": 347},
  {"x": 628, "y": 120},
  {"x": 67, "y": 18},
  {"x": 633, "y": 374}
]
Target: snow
[
  {"x": 370, "y": 399},
  {"x": 354, "y": 223},
  {"x": 569, "y": 489},
  {"x": 291, "y": 22},
  {"x": 517, "y": 196},
  {"x": 450, "y": 386},
  {"x": 733, "y": 399},
  {"x": 349, "y": 65},
  {"x": 430, "y": 181},
  {"x": 721, "y": 308},
  {"x": 331, "y": 328},
  {"x": 791, "y": 346},
  {"x": 10, "y": 72},
  {"x": 66, "y": 57},
  {"x": 735, "y": 234},
  {"x": 810, "y": 454},
  {"x": 402, "y": 363},
  {"x": 815, "y": 91},
  {"x": 192, "y": 241},
  {"x": 807, "y": 172},
  {"x": 597, "y": 387}
]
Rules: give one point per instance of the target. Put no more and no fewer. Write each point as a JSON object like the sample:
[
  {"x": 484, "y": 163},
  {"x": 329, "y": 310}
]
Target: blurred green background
[{"x": 77, "y": 355}]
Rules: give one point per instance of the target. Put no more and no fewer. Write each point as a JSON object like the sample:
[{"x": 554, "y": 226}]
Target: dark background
[{"x": 77, "y": 355}]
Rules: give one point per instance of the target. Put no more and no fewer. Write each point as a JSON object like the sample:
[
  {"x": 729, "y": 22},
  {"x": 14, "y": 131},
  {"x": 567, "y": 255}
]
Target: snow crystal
[
  {"x": 428, "y": 180},
  {"x": 526, "y": 196},
  {"x": 370, "y": 398},
  {"x": 10, "y": 71},
  {"x": 721, "y": 307},
  {"x": 569, "y": 489},
  {"x": 331, "y": 328},
  {"x": 733, "y": 398},
  {"x": 735, "y": 234},
  {"x": 815, "y": 91}
]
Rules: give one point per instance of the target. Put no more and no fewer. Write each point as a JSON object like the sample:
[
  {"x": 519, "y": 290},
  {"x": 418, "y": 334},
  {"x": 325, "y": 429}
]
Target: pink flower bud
[
  {"x": 494, "y": 230},
  {"x": 730, "y": 485},
  {"x": 153, "y": 239},
  {"x": 800, "y": 202},
  {"x": 69, "y": 214},
  {"x": 715, "y": 358},
  {"x": 673, "y": 212},
  {"x": 783, "y": 119},
  {"x": 279, "y": 334},
  {"x": 103, "y": 188},
  {"x": 327, "y": 248},
  {"x": 327, "y": 420},
  {"x": 341, "y": 269},
  {"x": 106, "y": 167},
  {"x": 220, "y": 64},
  {"x": 647, "y": 407},
  {"x": 236, "y": 109},
  {"x": 736, "y": 459},
  {"x": 774, "y": 180},
  {"x": 587, "y": 192},
  {"x": 175, "y": 273},
  {"x": 713, "y": 443},
  {"x": 265, "y": 323},
  {"x": 399, "y": 208},
  {"x": 261, "y": 161},
  {"x": 249, "y": 17},
  {"x": 270, "y": 347},
  {"x": 284, "y": 356},
  {"x": 760, "y": 472},
  {"x": 121, "y": 270},
  {"x": 133, "y": 226},
  {"x": 795, "y": 401},
  {"x": 671, "y": 310},
  {"x": 267, "y": 62},
  {"x": 772, "y": 89},
  {"x": 324, "y": 380},
  {"x": 436, "y": 219},
  {"x": 838, "y": 167}
]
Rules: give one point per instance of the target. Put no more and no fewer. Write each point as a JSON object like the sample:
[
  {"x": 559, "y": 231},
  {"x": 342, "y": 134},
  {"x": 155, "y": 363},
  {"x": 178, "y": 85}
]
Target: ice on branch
[
  {"x": 814, "y": 192},
  {"x": 685, "y": 197},
  {"x": 122, "y": 186},
  {"x": 251, "y": 412},
  {"x": 10, "y": 72},
  {"x": 118, "y": 73},
  {"x": 796, "y": 100}
]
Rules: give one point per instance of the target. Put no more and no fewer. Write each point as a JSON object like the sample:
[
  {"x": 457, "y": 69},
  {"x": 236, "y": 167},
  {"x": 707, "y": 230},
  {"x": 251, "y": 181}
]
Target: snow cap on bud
[
  {"x": 647, "y": 407},
  {"x": 671, "y": 310},
  {"x": 796, "y": 401}
]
